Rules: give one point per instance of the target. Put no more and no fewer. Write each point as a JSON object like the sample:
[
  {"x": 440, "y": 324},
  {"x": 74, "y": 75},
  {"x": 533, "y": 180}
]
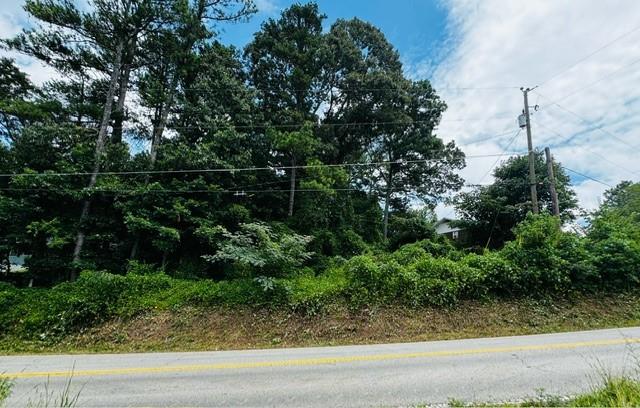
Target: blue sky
[
  {"x": 584, "y": 56},
  {"x": 417, "y": 28}
]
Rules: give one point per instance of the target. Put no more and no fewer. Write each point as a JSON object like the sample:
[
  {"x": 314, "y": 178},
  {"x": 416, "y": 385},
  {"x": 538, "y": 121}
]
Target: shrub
[
  {"x": 413, "y": 226},
  {"x": 579, "y": 262},
  {"x": 618, "y": 260},
  {"x": 501, "y": 277},
  {"x": 259, "y": 250},
  {"x": 444, "y": 282},
  {"x": 311, "y": 294},
  {"x": 409, "y": 253},
  {"x": 366, "y": 282},
  {"x": 535, "y": 251},
  {"x": 413, "y": 277}
]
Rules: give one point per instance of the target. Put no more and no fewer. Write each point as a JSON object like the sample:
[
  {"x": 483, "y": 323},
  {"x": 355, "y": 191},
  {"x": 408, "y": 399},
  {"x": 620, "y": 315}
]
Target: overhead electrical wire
[
  {"x": 495, "y": 219},
  {"x": 240, "y": 169},
  {"x": 504, "y": 153},
  {"x": 587, "y": 149},
  {"x": 237, "y": 192},
  {"x": 299, "y": 125},
  {"x": 327, "y": 90},
  {"x": 591, "y": 54},
  {"x": 588, "y": 122},
  {"x": 587, "y": 177},
  {"x": 582, "y": 88}
]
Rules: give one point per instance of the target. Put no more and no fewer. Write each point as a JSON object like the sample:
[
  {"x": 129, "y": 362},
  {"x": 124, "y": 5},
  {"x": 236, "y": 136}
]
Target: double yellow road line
[{"x": 316, "y": 361}]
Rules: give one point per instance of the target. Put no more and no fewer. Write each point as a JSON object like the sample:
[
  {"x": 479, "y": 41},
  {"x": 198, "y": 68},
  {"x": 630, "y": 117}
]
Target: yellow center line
[{"x": 317, "y": 361}]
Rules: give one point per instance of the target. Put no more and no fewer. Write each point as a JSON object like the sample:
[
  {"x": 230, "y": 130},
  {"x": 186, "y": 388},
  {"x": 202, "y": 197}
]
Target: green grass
[
  {"x": 5, "y": 389},
  {"x": 614, "y": 392}
]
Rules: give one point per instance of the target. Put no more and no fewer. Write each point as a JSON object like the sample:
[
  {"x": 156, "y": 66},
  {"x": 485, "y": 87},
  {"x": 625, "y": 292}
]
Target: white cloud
[
  {"x": 269, "y": 7},
  {"x": 12, "y": 20},
  {"x": 498, "y": 43}
]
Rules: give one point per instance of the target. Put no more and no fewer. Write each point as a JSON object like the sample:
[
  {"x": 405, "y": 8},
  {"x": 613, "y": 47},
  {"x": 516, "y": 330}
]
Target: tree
[
  {"x": 398, "y": 118},
  {"x": 419, "y": 164},
  {"x": 21, "y": 103},
  {"x": 285, "y": 67},
  {"x": 297, "y": 145},
  {"x": 491, "y": 212},
  {"x": 361, "y": 67},
  {"x": 412, "y": 226},
  {"x": 100, "y": 39}
]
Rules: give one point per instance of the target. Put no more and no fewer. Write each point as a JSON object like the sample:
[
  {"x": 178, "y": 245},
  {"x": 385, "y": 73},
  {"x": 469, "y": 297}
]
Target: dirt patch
[{"x": 224, "y": 328}]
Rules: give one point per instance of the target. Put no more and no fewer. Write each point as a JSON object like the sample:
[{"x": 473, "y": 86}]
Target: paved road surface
[{"x": 490, "y": 369}]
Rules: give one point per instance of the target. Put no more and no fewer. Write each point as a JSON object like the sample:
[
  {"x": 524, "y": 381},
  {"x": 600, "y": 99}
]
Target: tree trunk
[
  {"x": 156, "y": 137},
  {"x": 134, "y": 248},
  {"x": 164, "y": 260},
  {"x": 100, "y": 142},
  {"x": 118, "y": 112},
  {"x": 292, "y": 187}
]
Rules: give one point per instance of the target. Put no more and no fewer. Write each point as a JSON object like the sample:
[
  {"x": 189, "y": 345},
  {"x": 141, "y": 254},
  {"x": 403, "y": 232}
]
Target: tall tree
[
  {"x": 491, "y": 212},
  {"x": 361, "y": 67},
  {"x": 286, "y": 68},
  {"x": 94, "y": 39},
  {"x": 172, "y": 54},
  {"x": 419, "y": 165}
]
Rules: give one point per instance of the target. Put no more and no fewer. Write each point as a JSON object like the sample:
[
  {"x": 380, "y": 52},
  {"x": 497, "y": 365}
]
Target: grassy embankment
[{"x": 223, "y": 327}]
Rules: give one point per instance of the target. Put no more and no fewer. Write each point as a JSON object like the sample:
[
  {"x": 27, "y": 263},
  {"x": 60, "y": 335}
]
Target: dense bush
[
  {"x": 412, "y": 226},
  {"x": 542, "y": 260},
  {"x": 258, "y": 249},
  {"x": 535, "y": 251}
]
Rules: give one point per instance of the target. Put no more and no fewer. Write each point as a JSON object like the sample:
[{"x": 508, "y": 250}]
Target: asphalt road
[{"x": 488, "y": 369}]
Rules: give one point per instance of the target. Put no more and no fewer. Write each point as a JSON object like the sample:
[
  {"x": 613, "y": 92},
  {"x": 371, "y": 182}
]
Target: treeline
[
  {"x": 306, "y": 132},
  {"x": 542, "y": 261}
]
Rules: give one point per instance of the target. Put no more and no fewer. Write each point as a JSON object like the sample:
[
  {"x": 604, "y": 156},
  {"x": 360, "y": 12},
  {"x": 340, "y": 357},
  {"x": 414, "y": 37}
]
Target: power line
[
  {"x": 596, "y": 82},
  {"x": 486, "y": 139},
  {"x": 590, "y": 55},
  {"x": 588, "y": 149},
  {"x": 240, "y": 169},
  {"x": 588, "y": 122},
  {"x": 248, "y": 87},
  {"x": 495, "y": 219},
  {"x": 237, "y": 192},
  {"x": 299, "y": 125},
  {"x": 588, "y": 177},
  {"x": 504, "y": 153}
]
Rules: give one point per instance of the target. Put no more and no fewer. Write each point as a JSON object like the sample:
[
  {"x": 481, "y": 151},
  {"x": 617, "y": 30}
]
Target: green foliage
[
  {"x": 616, "y": 392},
  {"x": 6, "y": 385},
  {"x": 310, "y": 294},
  {"x": 413, "y": 277},
  {"x": 490, "y": 213},
  {"x": 287, "y": 109},
  {"x": 260, "y": 250},
  {"x": 412, "y": 226},
  {"x": 618, "y": 260},
  {"x": 535, "y": 251},
  {"x": 501, "y": 276}
]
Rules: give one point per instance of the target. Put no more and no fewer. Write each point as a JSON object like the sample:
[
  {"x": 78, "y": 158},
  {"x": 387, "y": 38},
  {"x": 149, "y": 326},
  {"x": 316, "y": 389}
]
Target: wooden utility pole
[
  {"x": 532, "y": 165},
  {"x": 552, "y": 182}
]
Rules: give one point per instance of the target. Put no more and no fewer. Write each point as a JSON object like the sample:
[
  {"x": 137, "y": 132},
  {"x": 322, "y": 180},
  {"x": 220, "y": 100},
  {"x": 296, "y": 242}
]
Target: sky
[{"x": 583, "y": 57}]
